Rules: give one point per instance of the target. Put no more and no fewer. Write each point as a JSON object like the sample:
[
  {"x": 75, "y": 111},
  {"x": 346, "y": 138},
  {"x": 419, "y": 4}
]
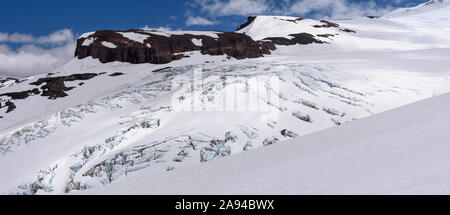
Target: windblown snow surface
[{"x": 137, "y": 133}]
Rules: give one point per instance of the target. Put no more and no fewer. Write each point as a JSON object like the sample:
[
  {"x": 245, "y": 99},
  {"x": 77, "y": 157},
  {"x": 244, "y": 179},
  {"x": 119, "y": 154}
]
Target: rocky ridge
[{"x": 141, "y": 46}]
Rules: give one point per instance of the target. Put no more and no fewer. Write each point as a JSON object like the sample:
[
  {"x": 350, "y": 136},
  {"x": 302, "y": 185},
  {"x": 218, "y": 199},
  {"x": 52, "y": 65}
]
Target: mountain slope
[
  {"x": 433, "y": 8},
  {"x": 403, "y": 151}
]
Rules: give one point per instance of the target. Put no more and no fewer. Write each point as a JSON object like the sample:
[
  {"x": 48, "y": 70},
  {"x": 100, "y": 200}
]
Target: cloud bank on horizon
[
  {"x": 24, "y": 55},
  {"x": 34, "y": 55},
  {"x": 325, "y": 9}
]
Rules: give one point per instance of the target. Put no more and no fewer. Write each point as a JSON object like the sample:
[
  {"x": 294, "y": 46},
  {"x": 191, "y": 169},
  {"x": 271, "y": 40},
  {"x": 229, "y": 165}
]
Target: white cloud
[
  {"x": 5, "y": 49},
  {"x": 198, "y": 21},
  {"x": 30, "y": 58},
  {"x": 3, "y": 37},
  {"x": 58, "y": 37},
  {"x": 317, "y": 8},
  {"x": 244, "y": 7},
  {"x": 335, "y": 8},
  {"x": 233, "y": 7},
  {"x": 161, "y": 28},
  {"x": 20, "y": 38}
]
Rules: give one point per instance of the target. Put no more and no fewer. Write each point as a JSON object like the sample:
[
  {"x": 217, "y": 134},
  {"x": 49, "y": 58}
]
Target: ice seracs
[{"x": 402, "y": 151}]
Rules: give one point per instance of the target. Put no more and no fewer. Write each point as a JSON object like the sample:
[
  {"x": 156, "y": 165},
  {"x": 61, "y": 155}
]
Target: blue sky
[
  {"x": 38, "y": 36},
  {"x": 45, "y": 16}
]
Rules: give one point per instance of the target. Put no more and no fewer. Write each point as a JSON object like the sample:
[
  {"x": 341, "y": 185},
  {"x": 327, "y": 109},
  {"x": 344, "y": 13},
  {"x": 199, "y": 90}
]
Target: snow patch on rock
[
  {"x": 135, "y": 36},
  {"x": 88, "y": 41},
  {"x": 197, "y": 42},
  {"x": 109, "y": 45}
]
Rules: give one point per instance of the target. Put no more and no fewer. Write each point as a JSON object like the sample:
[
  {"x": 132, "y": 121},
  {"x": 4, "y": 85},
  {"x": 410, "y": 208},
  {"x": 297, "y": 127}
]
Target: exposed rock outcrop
[
  {"x": 54, "y": 86},
  {"x": 348, "y": 30},
  {"x": 295, "y": 20},
  {"x": 325, "y": 35},
  {"x": 117, "y": 74},
  {"x": 16, "y": 96},
  {"x": 11, "y": 106},
  {"x": 159, "y": 48},
  {"x": 301, "y": 38},
  {"x": 22, "y": 94},
  {"x": 6, "y": 82},
  {"x": 327, "y": 24},
  {"x": 250, "y": 19}
]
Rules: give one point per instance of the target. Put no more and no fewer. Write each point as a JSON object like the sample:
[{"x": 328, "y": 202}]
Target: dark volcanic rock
[
  {"x": 11, "y": 106},
  {"x": 250, "y": 19},
  {"x": 268, "y": 45},
  {"x": 74, "y": 77},
  {"x": 291, "y": 20},
  {"x": 348, "y": 30},
  {"x": 301, "y": 38},
  {"x": 325, "y": 35},
  {"x": 280, "y": 41},
  {"x": 55, "y": 89},
  {"x": 158, "y": 49},
  {"x": 235, "y": 45},
  {"x": 54, "y": 86},
  {"x": 327, "y": 24},
  {"x": 116, "y": 74},
  {"x": 21, "y": 95}
]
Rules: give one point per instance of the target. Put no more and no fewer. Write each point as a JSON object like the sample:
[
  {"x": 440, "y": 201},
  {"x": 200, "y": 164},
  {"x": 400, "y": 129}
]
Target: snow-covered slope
[
  {"x": 403, "y": 151},
  {"x": 281, "y": 26},
  {"x": 89, "y": 124},
  {"x": 426, "y": 26},
  {"x": 430, "y": 9}
]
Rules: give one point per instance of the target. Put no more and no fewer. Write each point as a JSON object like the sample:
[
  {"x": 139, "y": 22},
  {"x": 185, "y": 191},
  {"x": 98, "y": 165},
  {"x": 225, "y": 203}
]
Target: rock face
[{"x": 139, "y": 46}]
